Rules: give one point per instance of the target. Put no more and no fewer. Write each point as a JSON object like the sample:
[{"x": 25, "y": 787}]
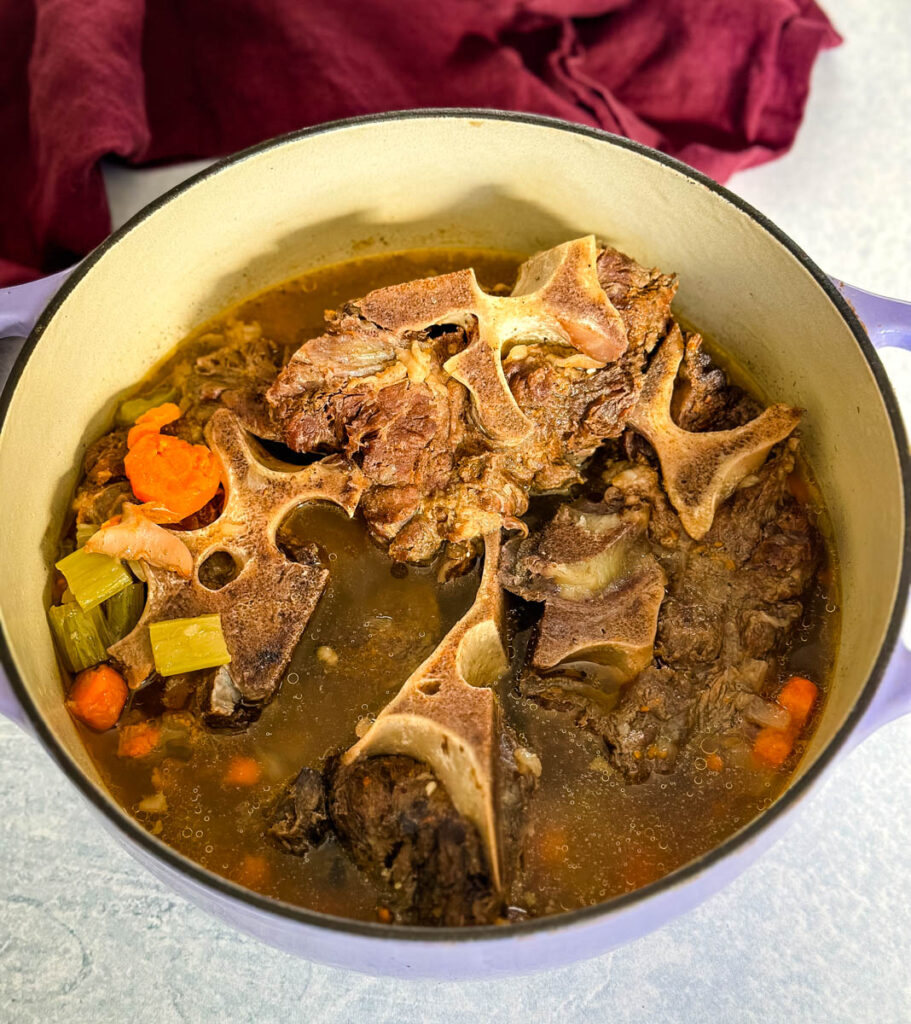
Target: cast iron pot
[{"x": 427, "y": 178}]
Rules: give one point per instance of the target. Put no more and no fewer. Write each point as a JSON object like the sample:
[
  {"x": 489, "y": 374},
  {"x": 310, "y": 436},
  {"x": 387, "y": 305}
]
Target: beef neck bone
[
  {"x": 612, "y": 636},
  {"x": 446, "y": 713},
  {"x": 701, "y": 469},
  {"x": 265, "y": 608},
  {"x": 602, "y": 590},
  {"x": 557, "y": 297}
]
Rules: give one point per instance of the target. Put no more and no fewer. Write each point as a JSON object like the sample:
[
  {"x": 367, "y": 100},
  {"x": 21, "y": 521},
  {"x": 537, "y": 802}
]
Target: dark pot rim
[{"x": 133, "y": 831}]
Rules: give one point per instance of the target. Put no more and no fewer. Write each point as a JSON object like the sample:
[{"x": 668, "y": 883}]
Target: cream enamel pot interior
[{"x": 462, "y": 178}]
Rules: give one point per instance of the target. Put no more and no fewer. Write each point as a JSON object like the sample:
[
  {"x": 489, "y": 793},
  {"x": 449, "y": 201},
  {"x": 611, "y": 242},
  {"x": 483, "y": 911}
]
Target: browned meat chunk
[
  {"x": 402, "y": 829},
  {"x": 235, "y": 375},
  {"x": 103, "y": 460},
  {"x": 301, "y": 818},
  {"x": 104, "y": 487},
  {"x": 96, "y": 503},
  {"x": 642, "y": 297},
  {"x": 573, "y": 411},
  {"x": 703, "y": 398}
]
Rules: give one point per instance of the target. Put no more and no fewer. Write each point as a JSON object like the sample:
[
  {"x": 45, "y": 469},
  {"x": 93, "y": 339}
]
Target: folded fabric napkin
[{"x": 719, "y": 83}]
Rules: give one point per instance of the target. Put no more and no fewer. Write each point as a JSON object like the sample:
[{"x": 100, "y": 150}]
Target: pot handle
[
  {"x": 20, "y": 307},
  {"x": 888, "y": 323}
]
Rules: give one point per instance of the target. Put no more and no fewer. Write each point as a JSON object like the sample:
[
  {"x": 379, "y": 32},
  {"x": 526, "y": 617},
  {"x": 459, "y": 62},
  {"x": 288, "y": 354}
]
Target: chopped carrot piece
[
  {"x": 798, "y": 695},
  {"x": 384, "y": 914},
  {"x": 97, "y": 697},
  {"x": 152, "y": 421},
  {"x": 253, "y": 871},
  {"x": 242, "y": 771},
  {"x": 138, "y": 740},
  {"x": 173, "y": 473},
  {"x": 714, "y": 763},
  {"x": 773, "y": 745}
]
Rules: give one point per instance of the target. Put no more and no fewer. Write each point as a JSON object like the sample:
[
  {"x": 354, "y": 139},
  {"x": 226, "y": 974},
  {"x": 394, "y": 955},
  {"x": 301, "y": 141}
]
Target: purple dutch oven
[{"x": 468, "y": 178}]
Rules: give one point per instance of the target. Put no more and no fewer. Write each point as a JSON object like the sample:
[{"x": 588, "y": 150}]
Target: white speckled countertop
[{"x": 818, "y": 930}]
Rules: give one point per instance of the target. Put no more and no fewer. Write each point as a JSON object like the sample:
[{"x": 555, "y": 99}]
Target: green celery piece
[
  {"x": 122, "y": 611},
  {"x": 83, "y": 532},
  {"x": 185, "y": 645},
  {"x": 81, "y": 635},
  {"x": 133, "y": 408},
  {"x": 93, "y": 578}
]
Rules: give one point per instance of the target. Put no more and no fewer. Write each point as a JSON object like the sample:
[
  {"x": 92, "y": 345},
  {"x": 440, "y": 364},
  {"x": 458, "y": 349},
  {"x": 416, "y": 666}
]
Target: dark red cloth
[{"x": 719, "y": 83}]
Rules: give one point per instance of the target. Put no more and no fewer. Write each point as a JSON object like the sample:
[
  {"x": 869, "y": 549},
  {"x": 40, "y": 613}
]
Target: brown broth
[{"x": 591, "y": 836}]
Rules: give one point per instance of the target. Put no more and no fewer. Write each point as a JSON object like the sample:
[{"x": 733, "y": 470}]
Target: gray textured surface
[{"x": 819, "y": 930}]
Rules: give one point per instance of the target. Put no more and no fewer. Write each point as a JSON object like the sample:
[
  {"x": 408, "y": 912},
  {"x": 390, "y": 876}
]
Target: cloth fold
[{"x": 721, "y": 84}]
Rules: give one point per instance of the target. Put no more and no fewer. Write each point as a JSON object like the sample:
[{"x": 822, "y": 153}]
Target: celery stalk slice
[
  {"x": 84, "y": 531},
  {"x": 133, "y": 408},
  {"x": 122, "y": 611},
  {"x": 92, "y": 577},
  {"x": 81, "y": 636},
  {"x": 185, "y": 645}
]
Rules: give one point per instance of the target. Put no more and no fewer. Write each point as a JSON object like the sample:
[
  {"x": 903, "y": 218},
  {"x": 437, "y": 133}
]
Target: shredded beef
[
  {"x": 103, "y": 460},
  {"x": 96, "y": 503},
  {"x": 642, "y": 297},
  {"x": 235, "y": 375},
  {"x": 301, "y": 818}
]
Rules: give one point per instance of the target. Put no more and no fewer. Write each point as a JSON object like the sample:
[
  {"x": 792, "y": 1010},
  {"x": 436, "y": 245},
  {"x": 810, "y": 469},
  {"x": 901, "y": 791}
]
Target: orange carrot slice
[
  {"x": 171, "y": 472},
  {"x": 151, "y": 421},
  {"x": 798, "y": 695},
  {"x": 97, "y": 697},
  {"x": 774, "y": 746},
  {"x": 138, "y": 740},
  {"x": 242, "y": 771}
]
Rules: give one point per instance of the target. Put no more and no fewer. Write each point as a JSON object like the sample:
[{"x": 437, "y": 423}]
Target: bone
[
  {"x": 557, "y": 298},
  {"x": 611, "y": 636},
  {"x": 445, "y": 715},
  {"x": 701, "y": 470},
  {"x": 277, "y": 595},
  {"x": 602, "y": 590}
]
